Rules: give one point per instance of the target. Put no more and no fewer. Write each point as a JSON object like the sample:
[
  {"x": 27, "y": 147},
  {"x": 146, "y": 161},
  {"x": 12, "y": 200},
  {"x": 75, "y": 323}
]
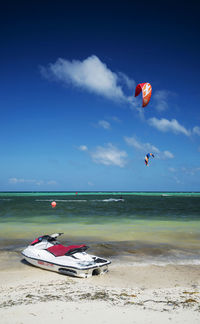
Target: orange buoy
[{"x": 53, "y": 204}]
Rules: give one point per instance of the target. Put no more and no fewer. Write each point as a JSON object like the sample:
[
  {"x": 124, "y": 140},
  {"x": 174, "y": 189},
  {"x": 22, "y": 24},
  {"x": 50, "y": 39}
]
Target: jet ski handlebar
[
  {"x": 48, "y": 238},
  {"x": 55, "y": 235}
]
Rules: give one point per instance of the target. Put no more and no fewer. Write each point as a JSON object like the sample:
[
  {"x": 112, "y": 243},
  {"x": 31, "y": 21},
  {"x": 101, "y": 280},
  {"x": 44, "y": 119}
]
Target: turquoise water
[{"x": 145, "y": 227}]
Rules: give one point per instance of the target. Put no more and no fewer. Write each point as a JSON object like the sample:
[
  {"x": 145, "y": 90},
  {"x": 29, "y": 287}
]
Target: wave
[
  {"x": 62, "y": 200},
  {"x": 81, "y": 200},
  {"x": 112, "y": 200}
]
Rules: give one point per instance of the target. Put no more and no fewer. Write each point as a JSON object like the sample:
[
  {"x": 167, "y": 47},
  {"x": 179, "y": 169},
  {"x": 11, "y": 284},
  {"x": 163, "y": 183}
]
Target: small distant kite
[
  {"x": 147, "y": 158},
  {"x": 53, "y": 204},
  {"x": 146, "y": 92}
]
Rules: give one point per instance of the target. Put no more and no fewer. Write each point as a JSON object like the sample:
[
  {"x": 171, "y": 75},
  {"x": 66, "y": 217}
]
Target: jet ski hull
[
  {"x": 78, "y": 264},
  {"x": 67, "y": 270}
]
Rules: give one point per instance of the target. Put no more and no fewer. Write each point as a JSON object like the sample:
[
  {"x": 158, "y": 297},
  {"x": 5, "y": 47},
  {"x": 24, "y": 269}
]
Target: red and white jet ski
[{"x": 47, "y": 253}]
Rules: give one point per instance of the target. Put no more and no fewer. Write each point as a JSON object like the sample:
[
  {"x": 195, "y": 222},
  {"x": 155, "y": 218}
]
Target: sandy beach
[{"x": 126, "y": 294}]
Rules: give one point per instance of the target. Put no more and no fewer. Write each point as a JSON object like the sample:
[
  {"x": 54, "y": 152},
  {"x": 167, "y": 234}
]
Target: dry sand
[{"x": 126, "y": 294}]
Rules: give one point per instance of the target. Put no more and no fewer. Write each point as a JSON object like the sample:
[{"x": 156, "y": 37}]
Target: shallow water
[{"x": 141, "y": 227}]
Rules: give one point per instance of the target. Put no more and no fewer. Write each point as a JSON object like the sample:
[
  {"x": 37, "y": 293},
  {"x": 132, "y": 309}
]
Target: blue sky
[{"x": 69, "y": 118}]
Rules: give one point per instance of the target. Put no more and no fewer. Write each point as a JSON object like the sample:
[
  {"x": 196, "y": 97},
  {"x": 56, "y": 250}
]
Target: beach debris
[
  {"x": 53, "y": 204},
  {"x": 146, "y": 92},
  {"x": 124, "y": 294},
  {"x": 70, "y": 289},
  {"x": 147, "y": 156},
  {"x": 190, "y": 300}
]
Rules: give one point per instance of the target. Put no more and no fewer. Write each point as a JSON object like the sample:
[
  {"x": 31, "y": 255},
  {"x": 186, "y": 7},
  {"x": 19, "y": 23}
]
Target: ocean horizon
[{"x": 100, "y": 192}]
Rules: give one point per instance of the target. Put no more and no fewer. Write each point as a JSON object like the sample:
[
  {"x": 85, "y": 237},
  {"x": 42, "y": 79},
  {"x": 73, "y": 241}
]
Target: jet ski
[{"x": 47, "y": 253}]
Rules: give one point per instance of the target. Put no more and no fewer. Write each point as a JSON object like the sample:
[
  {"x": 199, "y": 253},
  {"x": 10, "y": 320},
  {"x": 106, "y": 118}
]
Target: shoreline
[{"x": 147, "y": 294}]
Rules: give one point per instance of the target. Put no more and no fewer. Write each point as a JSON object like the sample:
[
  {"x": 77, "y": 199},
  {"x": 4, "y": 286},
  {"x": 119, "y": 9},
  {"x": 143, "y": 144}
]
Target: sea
[{"x": 138, "y": 228}]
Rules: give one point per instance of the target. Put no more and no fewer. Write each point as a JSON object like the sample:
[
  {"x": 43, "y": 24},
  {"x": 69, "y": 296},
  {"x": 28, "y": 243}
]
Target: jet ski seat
[{"x": 61, "y": 250}]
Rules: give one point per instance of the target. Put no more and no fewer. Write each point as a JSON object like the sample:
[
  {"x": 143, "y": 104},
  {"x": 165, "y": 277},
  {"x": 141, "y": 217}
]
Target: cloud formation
[
  {"x": 190, "y": 171},
  {"x": 147, "y": 147},
  {"x": 167, "y": 155},
  {"x": 160, "y": 98},
  {"x": 129, "y": 83},
  {"x": 165, "y": 125},
  {"x": 109, "y": 155},
  {"x": 30, "y": 181},
  {"x": 104, "y": 124},
  {"x": 196, "y": 130},
  {"x": 92, "y": 75},
  {"x": 83, "y": 148}
]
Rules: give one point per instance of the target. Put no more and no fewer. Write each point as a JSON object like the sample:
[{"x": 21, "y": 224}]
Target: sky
[{"x": 69, "y": 117}]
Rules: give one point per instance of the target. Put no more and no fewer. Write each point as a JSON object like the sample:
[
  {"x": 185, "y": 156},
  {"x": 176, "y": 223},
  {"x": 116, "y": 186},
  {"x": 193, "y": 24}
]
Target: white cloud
[
  {"x": 83, "y": 148},
  {"x": 148, "y": 147},
  {"x": 30, "y": 181},
  {"x": 109, "y": 155},
  {"x": 131, "y": 84},
  {"x": 51, "y": 182},
  {"x": 116, "y": 119},
  {"x": 91, "y": 184},
  {"x": 90, "y": 74},
  {"x": 104, "y": 124},
  {"x": 39, "y": 182},
  {"x": 21, "y": 180},
  {"x": 160, "y": 97},
  {"x": 171, "y": 169},
  {"x": 190, "y": 171},
  {"x": 165, "y": 125},
  {"x": 177, "y": 180},
  {"x": 168, "y": 155},
  {"x": 196, "y": 130}
]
